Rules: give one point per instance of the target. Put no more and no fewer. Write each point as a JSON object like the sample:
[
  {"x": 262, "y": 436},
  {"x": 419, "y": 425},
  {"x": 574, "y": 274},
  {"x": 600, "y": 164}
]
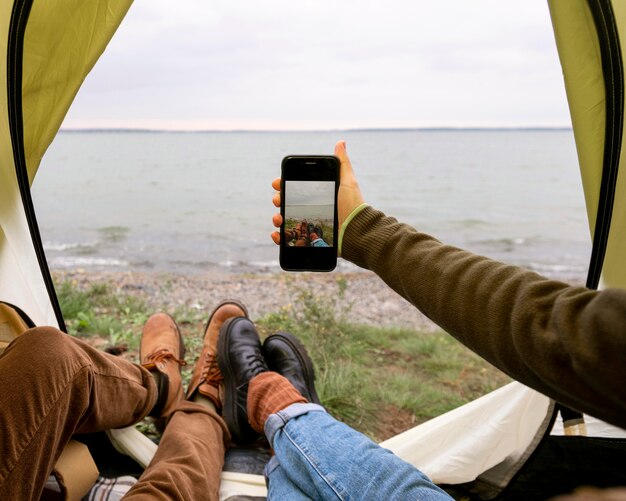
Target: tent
[{"x": 51, "y": 45}]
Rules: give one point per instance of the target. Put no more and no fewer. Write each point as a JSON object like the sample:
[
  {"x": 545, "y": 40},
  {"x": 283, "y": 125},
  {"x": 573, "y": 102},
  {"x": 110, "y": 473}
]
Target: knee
[
  {"x": 43, "y": 355},
  {"x": 43, "y": 342}
]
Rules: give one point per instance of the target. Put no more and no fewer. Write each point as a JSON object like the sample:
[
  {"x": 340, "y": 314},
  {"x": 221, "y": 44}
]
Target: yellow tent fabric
[
  {"x": 580, "y": 52},
  {"x": 57, "y": 57},
  {"x": 49, "y": 47}
]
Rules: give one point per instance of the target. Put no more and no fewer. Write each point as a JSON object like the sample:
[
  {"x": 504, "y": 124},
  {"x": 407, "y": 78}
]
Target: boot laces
[
  {"x": 256, "y": 363},
  {"x": 162, "y": 355},
  {"x": 211, "y": 372}
]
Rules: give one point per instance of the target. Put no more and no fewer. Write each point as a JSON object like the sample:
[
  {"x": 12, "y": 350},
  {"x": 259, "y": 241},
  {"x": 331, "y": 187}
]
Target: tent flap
[{"x": 50, "y": 46}]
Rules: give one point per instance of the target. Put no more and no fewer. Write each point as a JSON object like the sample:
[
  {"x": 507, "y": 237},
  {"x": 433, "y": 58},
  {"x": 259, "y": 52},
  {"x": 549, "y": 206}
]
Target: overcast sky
[
  {"x": 322, "y": 64},
  {"x": 309, "y": 193}
]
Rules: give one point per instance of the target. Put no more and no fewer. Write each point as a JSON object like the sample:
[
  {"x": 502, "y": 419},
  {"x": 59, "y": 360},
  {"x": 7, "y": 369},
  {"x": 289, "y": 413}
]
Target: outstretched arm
[{"x": 566, "y": 342}]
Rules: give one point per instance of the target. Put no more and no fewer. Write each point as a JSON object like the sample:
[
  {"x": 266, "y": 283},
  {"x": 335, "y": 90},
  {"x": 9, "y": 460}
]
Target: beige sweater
[{"x": 566, "y": 342}]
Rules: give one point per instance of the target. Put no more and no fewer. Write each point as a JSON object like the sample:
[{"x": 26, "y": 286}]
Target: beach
[{"x": 362, "y": 297}]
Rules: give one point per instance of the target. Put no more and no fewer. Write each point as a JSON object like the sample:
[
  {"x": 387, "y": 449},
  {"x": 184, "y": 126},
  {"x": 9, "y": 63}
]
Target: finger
[
  {"x": 342, "y": 154},
  {"x": 276, "y": 237},
  {"x": 276, "y": 184},
  {"x": 277, "y": 219},
  {"x": 276, "y": 200},
  {"x": 350, "y": 196}
]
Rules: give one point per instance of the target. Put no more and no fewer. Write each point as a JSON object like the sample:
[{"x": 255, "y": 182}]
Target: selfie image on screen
[{"x": 309, "y": 213}]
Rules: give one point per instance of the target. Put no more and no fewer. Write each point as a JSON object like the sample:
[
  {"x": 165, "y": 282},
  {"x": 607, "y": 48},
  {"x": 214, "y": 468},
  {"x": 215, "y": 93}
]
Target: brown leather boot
[
  {"x": 207, "y": 377},
  {"x": 162, "y": 351}
]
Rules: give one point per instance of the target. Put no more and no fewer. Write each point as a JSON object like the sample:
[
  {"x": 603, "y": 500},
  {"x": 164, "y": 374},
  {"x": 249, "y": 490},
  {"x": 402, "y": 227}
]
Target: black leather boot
[
  {"x": 287, "y": 356},
  {"x": 240, "y": 357}
]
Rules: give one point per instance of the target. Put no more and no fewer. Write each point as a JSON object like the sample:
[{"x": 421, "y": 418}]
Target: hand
[{"x": 348, "y": 199}]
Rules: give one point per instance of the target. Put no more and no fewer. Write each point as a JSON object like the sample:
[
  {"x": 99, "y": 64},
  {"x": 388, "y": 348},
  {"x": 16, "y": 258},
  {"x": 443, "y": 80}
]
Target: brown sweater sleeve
[{"x": 564, "y": 341}]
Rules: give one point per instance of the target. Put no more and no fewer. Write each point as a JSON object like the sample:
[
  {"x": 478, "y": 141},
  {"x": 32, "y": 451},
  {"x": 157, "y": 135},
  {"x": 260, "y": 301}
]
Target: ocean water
[
  {"x": 310, "y": 212},
  {"x": 198, "y": 202}
]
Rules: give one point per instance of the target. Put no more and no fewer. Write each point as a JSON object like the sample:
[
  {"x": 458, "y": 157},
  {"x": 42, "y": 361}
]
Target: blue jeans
[{"x": 317, "y": 457}]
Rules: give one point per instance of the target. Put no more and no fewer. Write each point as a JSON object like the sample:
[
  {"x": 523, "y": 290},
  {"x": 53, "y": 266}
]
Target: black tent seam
[
  {"x": 604, "y": 21},
  {"x": 17, "y": 29},
  {"x": 608, "y": 38}
]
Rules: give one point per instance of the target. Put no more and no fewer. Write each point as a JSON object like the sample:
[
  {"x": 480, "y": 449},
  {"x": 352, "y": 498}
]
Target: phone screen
[
  {"x": 310, "y": 213},
  {"x": 309, "y": 210}
]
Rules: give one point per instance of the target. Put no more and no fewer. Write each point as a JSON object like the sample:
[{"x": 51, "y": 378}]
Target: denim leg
[
  {"x": 327, "y": 459},
  {"x": 280, "y": 486}
]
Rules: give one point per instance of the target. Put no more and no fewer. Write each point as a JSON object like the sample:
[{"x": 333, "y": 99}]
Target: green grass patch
[
  {"x": 114, "y": 318},
  {"x": 379, "y": 380},
  {"x": 364, "y": 372}
]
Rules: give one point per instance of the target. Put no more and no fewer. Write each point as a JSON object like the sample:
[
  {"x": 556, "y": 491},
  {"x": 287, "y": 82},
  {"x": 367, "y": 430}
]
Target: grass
[
  {"x": 379, "y": 380},
  {"x": 325, "y": 224},
  {"x": 100, "y": 313}
]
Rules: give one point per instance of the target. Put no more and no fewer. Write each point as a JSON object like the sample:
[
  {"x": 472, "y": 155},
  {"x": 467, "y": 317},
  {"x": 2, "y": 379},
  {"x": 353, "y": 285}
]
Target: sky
[
  {"x": 322, "y": 64},
  {"x": 310, "y": 193}
]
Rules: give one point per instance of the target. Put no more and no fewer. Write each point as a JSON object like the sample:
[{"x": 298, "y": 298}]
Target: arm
[{"x": 567, "y": 342}]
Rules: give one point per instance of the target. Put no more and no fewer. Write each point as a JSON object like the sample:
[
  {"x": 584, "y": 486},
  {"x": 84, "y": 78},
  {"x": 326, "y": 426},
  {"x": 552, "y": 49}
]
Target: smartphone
[{"x": 308, "y": 235}]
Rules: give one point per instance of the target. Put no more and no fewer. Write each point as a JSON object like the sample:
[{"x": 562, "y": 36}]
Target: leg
[
  {"x": 189, "y": 461},
  {"x": 324, "y": 458},
  {"x": 190, "y": 457},
  {"x": 54, "y": 386},
  {"x": 281, "y": 487},
  {"x": 327, "y": 459},
  {"x": 317, "y": 456}
]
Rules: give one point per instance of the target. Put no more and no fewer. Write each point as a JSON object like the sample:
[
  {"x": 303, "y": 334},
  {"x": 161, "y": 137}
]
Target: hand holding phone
[{"x": 308, "y": 234}]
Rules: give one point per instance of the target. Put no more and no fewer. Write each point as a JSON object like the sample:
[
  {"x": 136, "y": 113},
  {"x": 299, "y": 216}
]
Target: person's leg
[
  {"x": 54, "y": 386},
  {"x": 327, "y": 459},
  {"x": 189, "y": 460},
  {"x": 317, "y": 456},
  {"x": 281, "y": 486}
]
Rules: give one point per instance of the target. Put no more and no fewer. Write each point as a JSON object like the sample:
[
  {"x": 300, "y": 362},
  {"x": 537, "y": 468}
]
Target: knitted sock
[{"x": 268, "y": 393}]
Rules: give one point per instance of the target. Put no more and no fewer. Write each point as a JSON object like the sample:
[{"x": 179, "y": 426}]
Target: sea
[{"x": 200, "y": 202}]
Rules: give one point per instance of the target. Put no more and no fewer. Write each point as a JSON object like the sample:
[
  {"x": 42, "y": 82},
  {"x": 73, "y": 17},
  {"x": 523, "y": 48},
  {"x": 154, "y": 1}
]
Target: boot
[
  {"x": 207, "y": 377},
  {"x": 287, "y": 356},
  {"x": 240, "y": 357},
  {"x": 161, "y": 352}
]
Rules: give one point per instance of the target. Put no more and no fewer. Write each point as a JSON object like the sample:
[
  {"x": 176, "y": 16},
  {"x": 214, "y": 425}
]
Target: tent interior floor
[{"x": 560, "y": 465}]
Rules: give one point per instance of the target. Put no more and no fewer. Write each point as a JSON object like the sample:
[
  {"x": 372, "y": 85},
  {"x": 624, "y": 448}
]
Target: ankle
[
  {"x": 269, "y": 393},
  {"x": 156, "y": 375},
  {"x": 204, "y": 401}
]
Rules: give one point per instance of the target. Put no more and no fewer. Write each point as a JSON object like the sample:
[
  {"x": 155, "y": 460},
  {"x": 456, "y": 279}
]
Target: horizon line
[{"x": 351, "y": 129}]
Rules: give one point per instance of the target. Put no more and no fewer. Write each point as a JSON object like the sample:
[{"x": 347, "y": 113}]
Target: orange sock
[{"x": 268, "y": 393}]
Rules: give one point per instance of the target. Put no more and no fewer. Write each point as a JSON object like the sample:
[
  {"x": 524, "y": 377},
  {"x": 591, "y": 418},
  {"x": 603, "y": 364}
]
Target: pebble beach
[{"x": 362, "y": 297}]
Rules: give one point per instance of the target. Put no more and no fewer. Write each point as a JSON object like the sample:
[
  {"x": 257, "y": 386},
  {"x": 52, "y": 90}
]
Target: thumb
[
  {"x": 349, "y": 192},
  {"x": 347, "y": 173}
]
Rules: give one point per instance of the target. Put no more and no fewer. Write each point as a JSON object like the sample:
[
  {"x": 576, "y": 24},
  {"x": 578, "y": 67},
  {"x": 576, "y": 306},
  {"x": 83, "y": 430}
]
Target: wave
[
  {"x": 558, "y": 269},
  {"x": 83, "y": 248},
  {"x": 86, "y": 262},
  {"x": 502, "y": 242}
]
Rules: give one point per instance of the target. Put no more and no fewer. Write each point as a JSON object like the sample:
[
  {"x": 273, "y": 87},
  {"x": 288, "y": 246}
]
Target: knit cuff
[{"x": 347, "y": 222}]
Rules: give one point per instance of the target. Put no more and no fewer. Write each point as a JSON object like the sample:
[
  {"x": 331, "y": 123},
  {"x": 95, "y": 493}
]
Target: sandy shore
[{"x": 365, "y": 299}]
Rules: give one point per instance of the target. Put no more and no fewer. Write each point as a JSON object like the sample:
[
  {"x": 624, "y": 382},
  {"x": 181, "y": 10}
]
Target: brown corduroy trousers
[{"x": 54, "y": 386}]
